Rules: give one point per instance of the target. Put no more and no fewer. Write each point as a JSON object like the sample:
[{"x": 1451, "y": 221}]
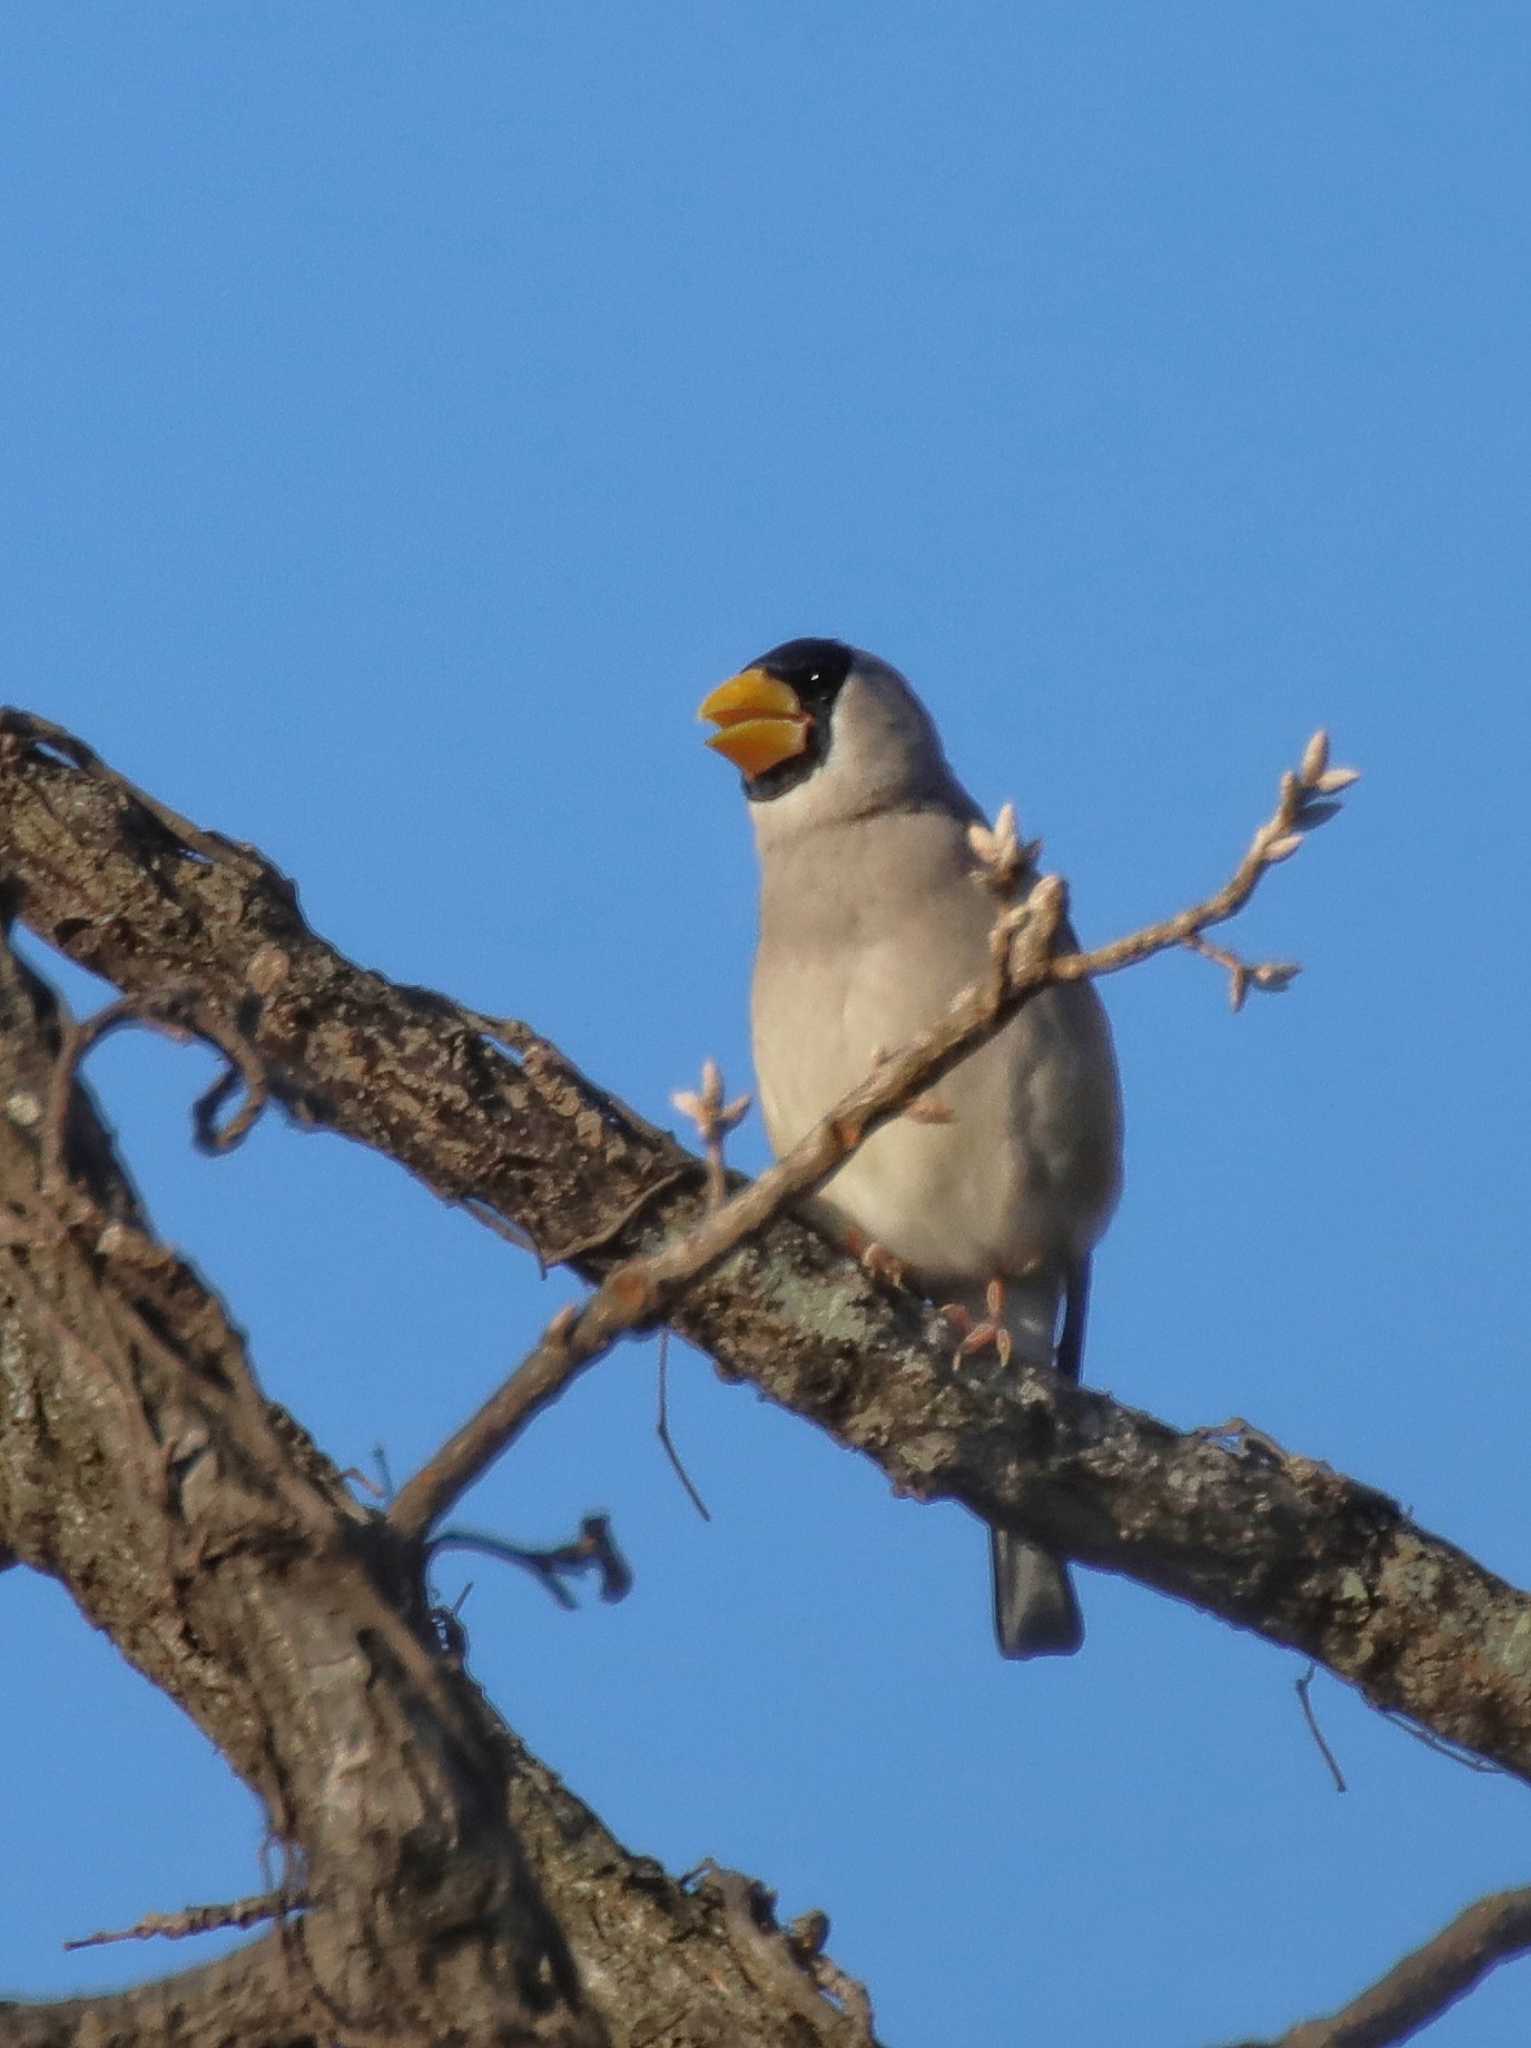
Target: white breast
[{"x": 864, "y": 941}]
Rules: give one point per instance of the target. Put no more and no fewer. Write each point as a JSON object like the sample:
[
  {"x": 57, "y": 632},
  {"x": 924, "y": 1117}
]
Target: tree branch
[
  {"x": 492, "y": 1116},
  {"x": 646, "y": 1289},
  {"x": 241, "y": 1913},
  {"x": 495, "y": 1118},
  {"x": 1427, "y": 1982},
  {"x": 1024, "y": 961},
  {"x": 140, "y": 1466},
  {"x": 201, "y": 1529}
]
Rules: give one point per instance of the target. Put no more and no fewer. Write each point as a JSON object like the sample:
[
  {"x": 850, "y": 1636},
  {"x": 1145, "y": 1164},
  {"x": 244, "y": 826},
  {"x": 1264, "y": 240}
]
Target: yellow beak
[{"x": 762, "y": 721}]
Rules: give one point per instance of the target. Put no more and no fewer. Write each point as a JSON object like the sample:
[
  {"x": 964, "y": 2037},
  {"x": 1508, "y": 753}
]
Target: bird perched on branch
[{"x": 877, "y": 903}]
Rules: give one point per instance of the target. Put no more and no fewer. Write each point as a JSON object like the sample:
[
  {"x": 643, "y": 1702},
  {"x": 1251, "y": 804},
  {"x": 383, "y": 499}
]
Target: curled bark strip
[{"x": 178, "y": 1013}]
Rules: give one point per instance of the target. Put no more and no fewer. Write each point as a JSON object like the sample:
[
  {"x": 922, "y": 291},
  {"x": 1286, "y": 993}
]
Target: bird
[{"x": 873, "y": 916}]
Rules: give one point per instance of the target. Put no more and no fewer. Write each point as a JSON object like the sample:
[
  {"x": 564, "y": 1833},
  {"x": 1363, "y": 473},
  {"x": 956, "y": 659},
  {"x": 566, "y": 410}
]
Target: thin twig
[
  {"x": 637, "y": 1293},
  {"x": 201, "y": 1919},
  {"x": 663, "y": 1429},
  {"x": 594, "y": 1549},
  {"x": 1270, "y": 975},
  {"x": 1299, "y": 809},
  {"x": 641, "y": 1291},
  {"x": 1304, "y": 1685},
  {"x": 385, "y": 1488},
  {"x": 569, "y": 1341}
]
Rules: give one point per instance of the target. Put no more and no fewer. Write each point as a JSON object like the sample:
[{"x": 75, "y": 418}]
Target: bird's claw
[
  {"x": 878, "y": 1262},
  {"x": 989, "y": 1335}
]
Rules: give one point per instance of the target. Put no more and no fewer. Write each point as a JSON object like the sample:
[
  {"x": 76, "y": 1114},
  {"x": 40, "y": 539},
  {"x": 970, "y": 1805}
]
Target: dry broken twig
[
  {"x": 190, "y": 1920},
  {"x": 1303, "y": 1687},
  {"x": 667, "y": 1441},
  {"x": 594, "y": 1549}
]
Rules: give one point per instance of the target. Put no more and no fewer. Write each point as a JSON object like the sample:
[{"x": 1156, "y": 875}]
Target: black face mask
[{"x": 816, "y": 671}]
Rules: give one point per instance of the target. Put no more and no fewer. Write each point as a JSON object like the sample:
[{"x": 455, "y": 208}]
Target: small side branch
[
  {"x": 1305, "y": 800},
  {"x": 1428, "y": 1982},
  {"x": 574, "y": 1339},
  {"x": 201, "y": 1919},
  {"x": 1304, "y": 1687},
  {"x": 662, "y": 1431},
  {"x": 594, "y": 1549}
]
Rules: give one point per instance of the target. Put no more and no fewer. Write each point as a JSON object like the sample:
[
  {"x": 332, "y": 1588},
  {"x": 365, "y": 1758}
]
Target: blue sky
[{"x": 409, "y": 412}]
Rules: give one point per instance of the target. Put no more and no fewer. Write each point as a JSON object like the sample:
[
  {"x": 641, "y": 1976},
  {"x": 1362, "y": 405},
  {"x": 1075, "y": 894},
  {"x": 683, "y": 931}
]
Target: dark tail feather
[
  {"x": 1076, "y": 1312},
  {"x": 1035, "y": 1612}
]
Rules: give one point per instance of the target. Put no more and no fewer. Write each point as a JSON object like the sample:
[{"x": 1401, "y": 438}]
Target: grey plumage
[{"x": 872, "y": 917}]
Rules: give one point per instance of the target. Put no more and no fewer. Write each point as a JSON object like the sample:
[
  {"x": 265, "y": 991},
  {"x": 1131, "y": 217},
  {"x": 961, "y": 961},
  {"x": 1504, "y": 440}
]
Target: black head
[{"x": 816, "y": 670}]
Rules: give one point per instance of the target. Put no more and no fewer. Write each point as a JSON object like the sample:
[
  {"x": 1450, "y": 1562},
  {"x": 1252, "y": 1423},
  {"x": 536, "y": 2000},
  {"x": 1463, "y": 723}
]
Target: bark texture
[
  {"x": 460, "y": 1894},
  {"x": 199, "y": 1526},
  {"x": 488, "y": 1114}
]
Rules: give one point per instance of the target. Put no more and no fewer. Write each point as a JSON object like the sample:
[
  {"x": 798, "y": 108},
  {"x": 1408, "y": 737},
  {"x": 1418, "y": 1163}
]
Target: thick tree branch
[
  {"x": 492, "y": 1116},
  {"x": 200, "y": 1528},
  {"x": 140, "y": 1466},
  {"x": 248, "y": 2000}
]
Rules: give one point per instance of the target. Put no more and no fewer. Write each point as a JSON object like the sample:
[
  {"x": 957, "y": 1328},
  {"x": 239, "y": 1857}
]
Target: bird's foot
[
  {"x": 877, "y": 1261},
  {"x": 990, "y": 1334}
]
